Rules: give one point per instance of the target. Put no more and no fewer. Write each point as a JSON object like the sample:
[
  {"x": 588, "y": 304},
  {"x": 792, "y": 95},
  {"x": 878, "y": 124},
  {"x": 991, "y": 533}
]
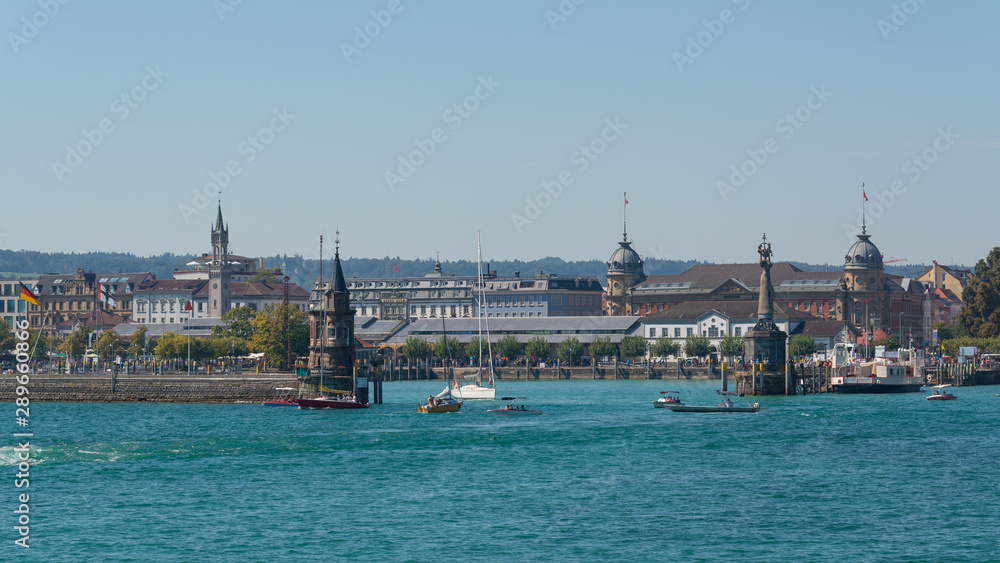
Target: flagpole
[
  {"x": 625, "y": 217},
  {"x": 864, "y": 198},
  {"x": 188, "y": 327}
]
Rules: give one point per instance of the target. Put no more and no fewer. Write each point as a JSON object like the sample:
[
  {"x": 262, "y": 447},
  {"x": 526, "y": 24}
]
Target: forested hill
[{"x": 26, "y": 263}]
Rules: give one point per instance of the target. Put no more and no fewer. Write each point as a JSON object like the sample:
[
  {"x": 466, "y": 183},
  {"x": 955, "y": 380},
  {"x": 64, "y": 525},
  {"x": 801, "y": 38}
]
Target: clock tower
[{"x": 219, "y": 269}]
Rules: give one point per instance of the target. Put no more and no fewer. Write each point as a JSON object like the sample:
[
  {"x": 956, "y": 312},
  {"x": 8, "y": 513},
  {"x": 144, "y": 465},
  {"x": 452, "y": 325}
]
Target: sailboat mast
[{"x": 322, "y": 297}]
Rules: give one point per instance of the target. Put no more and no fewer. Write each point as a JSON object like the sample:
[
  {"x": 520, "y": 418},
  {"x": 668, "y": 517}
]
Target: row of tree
[{"x": 243, "y": 331}]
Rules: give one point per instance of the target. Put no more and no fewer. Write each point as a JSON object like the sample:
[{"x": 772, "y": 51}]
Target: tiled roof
[
  {"x": 710, "y": 276},
  {"x": 733, "y": 309}
]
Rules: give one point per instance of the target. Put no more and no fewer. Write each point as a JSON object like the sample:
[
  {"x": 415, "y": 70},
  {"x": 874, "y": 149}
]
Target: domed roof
[
  {"x": 625, "y": 260},
  {"x": 863, "y": 255}
]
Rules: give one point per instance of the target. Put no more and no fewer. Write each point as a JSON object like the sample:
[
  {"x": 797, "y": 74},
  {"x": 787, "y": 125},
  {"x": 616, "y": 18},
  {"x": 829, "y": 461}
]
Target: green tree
[
  {"x": 538, "y": 348},
  {"x": 980, "y": 317},
  {"x": 42, "y": 345},
  {"x": 802, "y": 345},
  {"x": 137, "y": 342},
  {"x": 447, "y": 347},
  {"x": 569, "y": 349},
  {"x": 948, "y": 331},
  {"x": 168, "y": 346},
  {"x": 664, "y": 347},
  {"x": 508, "y": 347},
  {"x": 75, "y": 346},
  {"x": 889, "y": 342},
  {"x": 237, "y": 322},
  {"x": 633, "y": 346},
  {"x": 731, "y": 347},
  {"x": 6, "y": 338},
  {"x": 228, "y": 346},
  {"x": 415, "y": 347},
  {"x": 264, "y": 276},
  {"x": 472, "y": 348},
  {"x": 601, "y": 347},
  {"x": 109, "y": 345},
  {"x": 272, "y": 337},
  {"x": 697, "y": 346}
]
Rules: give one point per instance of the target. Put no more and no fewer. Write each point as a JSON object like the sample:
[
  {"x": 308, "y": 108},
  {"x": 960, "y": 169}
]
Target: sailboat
[
  {"x": 477, "y": 390},
  {"x": 443, "y": 401}
]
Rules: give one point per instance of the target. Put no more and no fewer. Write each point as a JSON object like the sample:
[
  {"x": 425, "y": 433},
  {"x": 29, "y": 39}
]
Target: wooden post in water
[{"x": 725, "y": 380}]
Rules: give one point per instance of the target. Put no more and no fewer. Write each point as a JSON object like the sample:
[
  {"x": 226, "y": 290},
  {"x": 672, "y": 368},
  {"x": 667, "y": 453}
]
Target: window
[
  {"x": 557, "y": 299},
  {"x": 713, "y": 331},
  {"x": 737, "y": 331},
  {"x": 690, "y": 332},
  {"x": 652, "y": 332},
  {"x": 677, "y": 333}
]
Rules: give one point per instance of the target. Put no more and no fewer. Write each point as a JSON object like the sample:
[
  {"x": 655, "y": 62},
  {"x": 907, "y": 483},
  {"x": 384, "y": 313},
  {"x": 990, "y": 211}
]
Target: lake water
[{"x": 601, "y": 476}]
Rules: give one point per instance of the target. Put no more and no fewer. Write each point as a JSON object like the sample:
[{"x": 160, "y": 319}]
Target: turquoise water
[{"x": 601, "y": 476}]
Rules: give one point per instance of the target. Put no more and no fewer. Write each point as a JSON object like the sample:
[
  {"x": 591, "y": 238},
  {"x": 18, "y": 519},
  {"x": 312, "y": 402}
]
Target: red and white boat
[{"x": 940, "y": 394}]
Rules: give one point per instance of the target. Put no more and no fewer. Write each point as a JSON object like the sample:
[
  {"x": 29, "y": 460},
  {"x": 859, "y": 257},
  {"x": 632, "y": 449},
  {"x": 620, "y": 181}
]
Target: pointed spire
[
  {"x": 337, "y": 282},
  {"x": 219, "y": 227}
]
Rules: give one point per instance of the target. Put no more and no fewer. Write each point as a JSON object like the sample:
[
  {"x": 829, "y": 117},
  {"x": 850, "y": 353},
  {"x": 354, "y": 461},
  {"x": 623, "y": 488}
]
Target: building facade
[
  {"x": 12, "y": 308},
  {"x": 62, "y": 297}
]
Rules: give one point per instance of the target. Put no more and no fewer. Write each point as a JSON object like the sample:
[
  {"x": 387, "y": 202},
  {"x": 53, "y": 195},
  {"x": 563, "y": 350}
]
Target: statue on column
[{"x": 765, "y": 304}]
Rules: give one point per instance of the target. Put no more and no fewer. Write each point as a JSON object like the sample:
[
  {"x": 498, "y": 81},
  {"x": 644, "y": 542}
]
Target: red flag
[
  {"x": 395, "y": 268},
  {"x": 188, "y": 306},
  {"x": 864, "y": 193}
]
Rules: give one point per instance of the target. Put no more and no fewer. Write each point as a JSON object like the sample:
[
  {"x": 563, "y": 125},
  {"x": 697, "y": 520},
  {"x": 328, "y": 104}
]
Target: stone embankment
[{"x": 99, "y": 388}]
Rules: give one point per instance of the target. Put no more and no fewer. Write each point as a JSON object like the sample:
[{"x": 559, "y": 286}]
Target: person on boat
[{"x": 430, "y": 400}]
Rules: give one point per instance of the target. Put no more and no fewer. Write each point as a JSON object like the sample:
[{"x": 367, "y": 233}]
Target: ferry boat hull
[{"x": 877, "y": 387}]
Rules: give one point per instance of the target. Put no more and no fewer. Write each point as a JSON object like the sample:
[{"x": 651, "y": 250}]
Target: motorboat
[
  {"x": 512, "y": 410},
  {"x": 667, "y": 398},
  {"x": 726, "y": 405},
  {"x": 902, "y": 372},
  {"x": 284, "y": 399},
  {"x": 344, "y": 401},
  {"x": 442, "y": 402},
  {"x": 940, "y": 394}
]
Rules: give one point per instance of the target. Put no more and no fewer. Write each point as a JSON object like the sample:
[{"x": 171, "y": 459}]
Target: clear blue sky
[{"x": 546, "y": 87}]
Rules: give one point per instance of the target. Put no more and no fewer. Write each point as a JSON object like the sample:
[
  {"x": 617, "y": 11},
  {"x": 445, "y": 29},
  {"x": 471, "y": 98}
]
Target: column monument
[{"x": 764, "y": 345}]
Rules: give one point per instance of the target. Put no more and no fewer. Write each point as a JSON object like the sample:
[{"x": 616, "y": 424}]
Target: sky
[{"x": 411, "y": 126}]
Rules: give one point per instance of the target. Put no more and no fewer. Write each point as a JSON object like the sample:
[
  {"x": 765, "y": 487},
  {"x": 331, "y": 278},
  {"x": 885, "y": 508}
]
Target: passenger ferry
[{"x": 894, "y": 372}]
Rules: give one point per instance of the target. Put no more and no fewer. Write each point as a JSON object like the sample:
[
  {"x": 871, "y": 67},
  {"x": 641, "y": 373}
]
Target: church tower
[
  {"x": 219, "y": 269},
  {"x": 624, "y": 273}
]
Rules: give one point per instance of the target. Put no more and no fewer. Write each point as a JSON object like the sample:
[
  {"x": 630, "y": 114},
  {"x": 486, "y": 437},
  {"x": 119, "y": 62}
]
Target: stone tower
[
  {"x": 331, "y": 338},
  {"x": 862, "y": 298},
  {"x": 219, "y": 269},
  {"x": 624, "y": 273}
]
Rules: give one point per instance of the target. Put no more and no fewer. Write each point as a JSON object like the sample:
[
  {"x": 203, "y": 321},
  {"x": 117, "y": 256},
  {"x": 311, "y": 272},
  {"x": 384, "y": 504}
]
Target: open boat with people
[
  {"x": 726, "y": 405},
  {"x": 339, "y": 400},
  {"x": 515, "y": 410},
  {"x": 284, "y": 398},
  {"x": 667, "y": 398},
  {"x": 442, "y": 402},
  {"x": 940, "y": 394}
]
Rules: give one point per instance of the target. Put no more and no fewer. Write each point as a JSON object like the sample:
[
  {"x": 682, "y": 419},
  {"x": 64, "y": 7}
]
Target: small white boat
[
  {"x": 667, "y": 398},
  {"x": 940, "y": 394},
  {"x": 511, "y": 410}
]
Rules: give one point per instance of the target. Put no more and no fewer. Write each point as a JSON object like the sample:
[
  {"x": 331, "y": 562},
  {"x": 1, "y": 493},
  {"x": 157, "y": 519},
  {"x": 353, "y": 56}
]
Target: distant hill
[{"x": 303, "y": 271}]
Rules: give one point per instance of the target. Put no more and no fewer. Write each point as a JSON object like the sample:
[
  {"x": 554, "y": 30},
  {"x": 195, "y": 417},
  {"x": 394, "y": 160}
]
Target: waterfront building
[
  {"x": 718, "y": 319},
  {"x": 12, "y": 308},
  {"x": 62, "y": 297},
  {"x": 166, "y": 301},
  {"x": 544, "y": 295},
  {"x": 439, "y": 294},
  {"x": 946, "y": 284},
  {"x": 861, "y": 294},
  {"x": 331, "y": 339}
]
